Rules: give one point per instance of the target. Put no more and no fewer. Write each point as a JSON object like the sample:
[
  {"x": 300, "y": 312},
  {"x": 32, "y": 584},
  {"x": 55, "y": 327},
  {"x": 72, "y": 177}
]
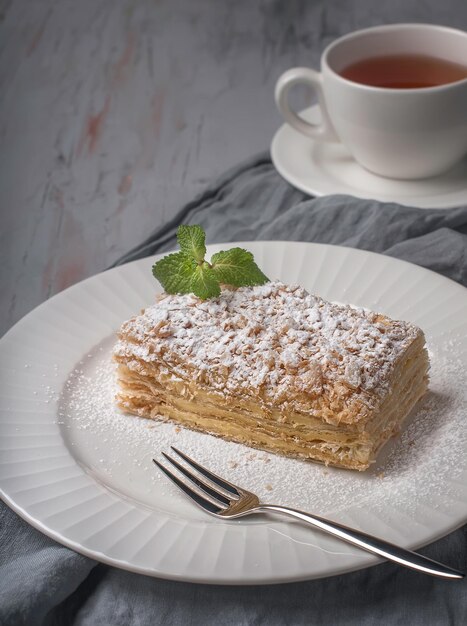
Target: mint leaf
[
  {"x": 174, "y": 272},
  {"x": 192, "y": 241},
  {"x": 204, "y": 283},
  {"x": 237, "y": 267},
  {"x": 187, "y": 271}
]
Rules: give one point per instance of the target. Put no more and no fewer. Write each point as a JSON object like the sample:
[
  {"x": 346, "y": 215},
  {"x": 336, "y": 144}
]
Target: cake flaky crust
[{"x": 275, "y": 368}]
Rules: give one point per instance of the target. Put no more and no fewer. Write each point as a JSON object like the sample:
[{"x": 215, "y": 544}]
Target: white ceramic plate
[
  {"x": 80, "y": 471},
  {"x": 320, "y": 168}
]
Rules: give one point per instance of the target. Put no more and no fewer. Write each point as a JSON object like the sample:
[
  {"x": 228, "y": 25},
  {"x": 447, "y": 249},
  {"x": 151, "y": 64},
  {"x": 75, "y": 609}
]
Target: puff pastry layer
[{"x": 275, "y": 368}]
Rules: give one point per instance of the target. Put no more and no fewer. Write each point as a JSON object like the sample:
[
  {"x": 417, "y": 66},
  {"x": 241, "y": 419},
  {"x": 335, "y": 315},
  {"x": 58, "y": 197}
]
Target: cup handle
[{"x": 324, "y": 131}]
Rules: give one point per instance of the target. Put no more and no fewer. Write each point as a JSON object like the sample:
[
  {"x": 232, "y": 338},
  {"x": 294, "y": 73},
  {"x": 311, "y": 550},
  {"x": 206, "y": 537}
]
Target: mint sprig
[{"x": 188, "y": 271}]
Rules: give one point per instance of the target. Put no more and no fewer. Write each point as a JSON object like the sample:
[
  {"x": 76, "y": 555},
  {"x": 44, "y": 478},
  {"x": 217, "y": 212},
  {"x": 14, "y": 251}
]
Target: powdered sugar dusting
[
  {"x": 118, "y": 448},
  {"x": 266, "y": 341}
]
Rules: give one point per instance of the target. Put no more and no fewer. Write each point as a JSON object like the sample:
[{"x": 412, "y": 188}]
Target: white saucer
[{"x": 328, "y": 168}]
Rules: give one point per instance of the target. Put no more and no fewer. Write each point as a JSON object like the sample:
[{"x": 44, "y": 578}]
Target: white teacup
[{"x": 397, "y": 133}]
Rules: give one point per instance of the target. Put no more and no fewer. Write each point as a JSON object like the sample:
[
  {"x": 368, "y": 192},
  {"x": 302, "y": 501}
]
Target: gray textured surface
[
  {"x": 112, "y": 115},
  {"x": 115, "y": 113}
]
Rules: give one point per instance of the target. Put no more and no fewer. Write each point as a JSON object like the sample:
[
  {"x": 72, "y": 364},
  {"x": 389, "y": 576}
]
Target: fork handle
[{"x": 387, "y": 550}]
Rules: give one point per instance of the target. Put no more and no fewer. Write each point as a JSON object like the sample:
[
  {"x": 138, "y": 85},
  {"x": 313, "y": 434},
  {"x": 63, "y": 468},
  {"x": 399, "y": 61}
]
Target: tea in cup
[{"x": 395, "y": 96}]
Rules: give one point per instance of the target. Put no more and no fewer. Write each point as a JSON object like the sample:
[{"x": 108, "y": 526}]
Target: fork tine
[
  {"x": 193, "y": 495},
  {"x": 198, "y": 481},
  {"x": 202, "y": 470}
]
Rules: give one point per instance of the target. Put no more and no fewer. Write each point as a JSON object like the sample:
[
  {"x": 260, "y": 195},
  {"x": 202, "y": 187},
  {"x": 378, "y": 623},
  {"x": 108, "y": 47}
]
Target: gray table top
[{"x": 113, "y": 114}]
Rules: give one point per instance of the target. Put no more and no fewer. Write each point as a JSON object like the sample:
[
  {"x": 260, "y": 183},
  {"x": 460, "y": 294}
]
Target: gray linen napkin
[{"x": 42, "y": 582}]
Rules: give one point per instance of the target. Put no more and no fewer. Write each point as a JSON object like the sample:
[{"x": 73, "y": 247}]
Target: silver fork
[{"x": 220, "y": 498}]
